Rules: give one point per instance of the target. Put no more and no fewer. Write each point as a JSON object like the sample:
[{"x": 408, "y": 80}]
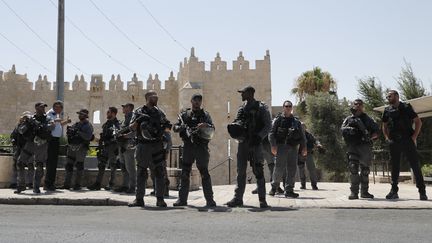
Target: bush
[{"x": 427, "y": 170}]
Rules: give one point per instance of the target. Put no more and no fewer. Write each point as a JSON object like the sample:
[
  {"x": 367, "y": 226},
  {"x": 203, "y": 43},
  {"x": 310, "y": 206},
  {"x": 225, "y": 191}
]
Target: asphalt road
[{"x": 19, "y": 223}]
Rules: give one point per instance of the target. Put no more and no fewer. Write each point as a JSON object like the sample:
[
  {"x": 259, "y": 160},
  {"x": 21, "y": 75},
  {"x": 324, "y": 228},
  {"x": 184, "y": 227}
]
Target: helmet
[
  {"x": 237, "y": 131},
  {"x": 206, "y": 133}
]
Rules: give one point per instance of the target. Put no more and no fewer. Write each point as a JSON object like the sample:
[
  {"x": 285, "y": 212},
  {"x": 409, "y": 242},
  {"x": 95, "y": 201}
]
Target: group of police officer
[{"x": 142, "y": 140}]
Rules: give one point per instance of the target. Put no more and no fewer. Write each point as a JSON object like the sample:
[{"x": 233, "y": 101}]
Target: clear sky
[{"x": 350, "y": 39}]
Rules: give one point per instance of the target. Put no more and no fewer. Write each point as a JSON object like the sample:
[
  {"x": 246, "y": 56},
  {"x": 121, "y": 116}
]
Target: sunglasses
[
  {"x": 288, "y": 106},
  {"x": 389, "y": 96},
  {"x": 357, "y": 104}
]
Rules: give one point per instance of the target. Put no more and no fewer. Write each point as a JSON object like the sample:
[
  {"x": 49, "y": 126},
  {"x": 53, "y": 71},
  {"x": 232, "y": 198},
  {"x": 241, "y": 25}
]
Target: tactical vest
[{"x": 288, "y": 130}]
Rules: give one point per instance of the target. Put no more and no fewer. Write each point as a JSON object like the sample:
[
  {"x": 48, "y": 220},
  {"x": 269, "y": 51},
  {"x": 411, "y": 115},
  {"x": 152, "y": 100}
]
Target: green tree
[
  {"x": 409, "y": 85},
  {"x": 371, "y": 92},
  {"x": 328, "y": 114},
  {"x": 313, "y": 81}
]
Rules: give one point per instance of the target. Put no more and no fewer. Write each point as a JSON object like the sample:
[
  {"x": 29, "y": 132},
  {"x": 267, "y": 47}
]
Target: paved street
[{"x": 21, "y": 223}]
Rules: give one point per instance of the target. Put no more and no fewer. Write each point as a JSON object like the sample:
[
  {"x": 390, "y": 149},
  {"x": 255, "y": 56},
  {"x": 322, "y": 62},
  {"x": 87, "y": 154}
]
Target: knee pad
[
  {"x": 159, "y": 172},
  {"x": 69, "y": 167},
  {"x": 365, "y": 170},
  {"x": 354, "y": 167},
  {"x": 79, "y": 165}
]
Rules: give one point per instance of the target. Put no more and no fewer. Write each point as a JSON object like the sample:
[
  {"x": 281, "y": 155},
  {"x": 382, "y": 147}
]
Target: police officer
[
  {"x": 108, "y": 150},
  {"x": 79, "y": 136},
  {"x": 308, "y": 160},
  {"x": 253, "y": 117},
  {"x": 127, "y": 151},
  {"x": 358, "y": 131},
  {"x": 18, "y": 141},
  {"x": 37, "y": 131},
  {"x": 285, "y": 136},
  {"x": 196, "y": 129},
  {"x": 150, "y": 124},
  {"x": 397, "y": 120}
]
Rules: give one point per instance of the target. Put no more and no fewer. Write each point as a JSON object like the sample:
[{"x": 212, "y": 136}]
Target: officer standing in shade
[
  {"x": 18, "y": 141},
  {"x": 55, "y": 114},
  {"x": 252, "y": 124},
  {"x": 37, "y": 131},
  {"x": 108, "y": 150},
  {"x": 358, "y": 131},
  {"x": 127, "y": 151},
  {"x": 308, "y": 160},
  {"x": 79, "y": 136},
  {"x": 196, "y": 129},
  {"x": 285, "y": 136},
  {"x": 150, "y": 124},
  {"x": 398, "y": 119}
]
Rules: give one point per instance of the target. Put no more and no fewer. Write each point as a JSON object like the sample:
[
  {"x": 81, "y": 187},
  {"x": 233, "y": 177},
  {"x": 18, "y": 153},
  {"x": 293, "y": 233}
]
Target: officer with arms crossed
[
  {"x": 251, "y": 125},
  {"x": 398, "y": 119},
  {"x": 196, "y": 129},
  {"x": 150, "y": 124},
  {"x": 358, "y": 131}
]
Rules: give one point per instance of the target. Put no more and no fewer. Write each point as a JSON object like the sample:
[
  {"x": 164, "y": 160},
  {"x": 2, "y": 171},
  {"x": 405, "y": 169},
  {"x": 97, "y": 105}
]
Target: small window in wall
[
  {"x": 241, "y": 66},
  {"x": 217, "y": 67},
  {"x": 96, "y": 117},
  {"x": 133, "y": 98}
]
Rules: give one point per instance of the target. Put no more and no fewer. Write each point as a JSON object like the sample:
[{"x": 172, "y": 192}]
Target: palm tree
[{"x": 313, "y": 81}]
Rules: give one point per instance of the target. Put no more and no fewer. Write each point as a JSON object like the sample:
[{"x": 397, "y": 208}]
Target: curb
[{"x": 63, "y": 201}]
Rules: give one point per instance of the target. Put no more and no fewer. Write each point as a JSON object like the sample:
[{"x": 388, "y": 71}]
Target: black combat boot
[
  {"x": 137, "y": 203},
  {"x": 263, "y": 203},
  {"x": 66, "y": 187},
  {"x": 303, "y": 186},
  {"x": 19, "y": 189},
  {"x": 94, "y": 187},
  {"x": 160, "y": 202},
  {"x": 130, "y": 190},
  {"x": 235, "y": 203},
  {"x": 211, "y": 203},
  {"x": 255, "y": 191},
  {"x": 180, "y": 203},
  {"x": 423, "y": 195},
  {"x": 314, "y": 187},
  {"x": 353, "y": 196},
  {"x": 121, "y": 189},
  {"x": 272, "y": 192},
  {"x": 279, "y": 190},
  {"x": 366, "y": 195},
  {"x": 13, "y": 186},
  {"x": 393, "y": 194},
  {"x": 291, "y": 194},
  {"x": 36, "y": 190},
  {"x": 29, "y": 185},
  {"x": 77, "y": 187}
]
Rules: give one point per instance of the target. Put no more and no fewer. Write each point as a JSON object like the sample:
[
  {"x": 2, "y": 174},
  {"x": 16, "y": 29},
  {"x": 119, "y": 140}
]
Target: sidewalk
[{"x": 329, "y": 195}]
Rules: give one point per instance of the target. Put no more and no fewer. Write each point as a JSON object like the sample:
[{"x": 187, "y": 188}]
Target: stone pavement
[{"x": 329, "y": 195}]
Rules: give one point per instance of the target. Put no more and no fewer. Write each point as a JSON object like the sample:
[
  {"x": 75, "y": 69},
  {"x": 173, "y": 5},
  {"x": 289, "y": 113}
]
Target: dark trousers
[
  {"x": 407, "y": 147},
  {"x": 200, "y": 154},
  {"x": 51, "y": 166},
  {"x": 253, "y": 154}
]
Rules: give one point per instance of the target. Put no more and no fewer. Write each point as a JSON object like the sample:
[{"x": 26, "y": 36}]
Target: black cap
[
  {"x": 196, "y": 96},
  {"x": 40, "y": 103},
  {"x": 84, "y": 112},
  {"x": 247, "y": 89},
  {"x": 128, "y": 105}
]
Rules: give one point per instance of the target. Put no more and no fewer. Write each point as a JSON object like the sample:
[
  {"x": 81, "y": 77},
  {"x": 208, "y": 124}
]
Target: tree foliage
[
  {"x": 313, "y": 81},
  {"x": 325, "y": 117},
  {"x": 409, "y": 85},
  {"x": 371, "y": 92}
]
